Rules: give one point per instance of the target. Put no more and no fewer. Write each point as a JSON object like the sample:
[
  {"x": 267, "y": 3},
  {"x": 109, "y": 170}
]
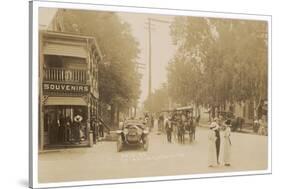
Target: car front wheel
[{"x": 145, "y": 143}]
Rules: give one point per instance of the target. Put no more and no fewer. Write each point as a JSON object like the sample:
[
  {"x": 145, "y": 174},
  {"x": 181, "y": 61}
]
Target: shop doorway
[{"x": 62, "y": 126}]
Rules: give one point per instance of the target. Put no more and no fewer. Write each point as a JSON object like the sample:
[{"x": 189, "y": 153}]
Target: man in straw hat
[{"x": 214, "y": 145}]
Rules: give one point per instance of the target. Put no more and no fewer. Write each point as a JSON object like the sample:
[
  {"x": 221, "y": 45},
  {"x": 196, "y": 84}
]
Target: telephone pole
[
  {"x": 150, "y": 20},
  {"x": 149, "y": 55}
]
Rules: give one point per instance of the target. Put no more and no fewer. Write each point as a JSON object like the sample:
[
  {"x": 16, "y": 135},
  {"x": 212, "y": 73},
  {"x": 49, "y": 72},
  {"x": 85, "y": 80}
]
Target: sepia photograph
[{"x": 128, "y": 95}]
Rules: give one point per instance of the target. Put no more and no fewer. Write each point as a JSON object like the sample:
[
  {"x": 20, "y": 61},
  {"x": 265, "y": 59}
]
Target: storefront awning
[
  {"x": 65, "y": 50},
  {"x": 67, "y": 101}
]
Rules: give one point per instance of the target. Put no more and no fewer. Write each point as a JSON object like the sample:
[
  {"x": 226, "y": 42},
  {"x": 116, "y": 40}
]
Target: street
[{"x": 102, "y": 161}]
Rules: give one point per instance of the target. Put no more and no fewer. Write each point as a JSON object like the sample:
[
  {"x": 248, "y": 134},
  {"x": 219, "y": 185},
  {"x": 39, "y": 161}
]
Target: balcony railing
[{"x": 65, "y": 75}]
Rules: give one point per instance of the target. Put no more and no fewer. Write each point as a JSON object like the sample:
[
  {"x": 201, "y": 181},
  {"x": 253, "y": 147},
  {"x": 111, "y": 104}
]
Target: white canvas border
[{"x": 34, "y": 87}]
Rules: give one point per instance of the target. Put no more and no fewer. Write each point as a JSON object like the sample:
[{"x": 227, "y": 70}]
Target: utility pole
[
  {"x": 149, "y": 54},
  {"x": 150, "y": 20}
]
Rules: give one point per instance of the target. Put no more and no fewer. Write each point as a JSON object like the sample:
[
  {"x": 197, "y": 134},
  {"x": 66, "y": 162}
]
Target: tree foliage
[
  {"x": 218, "y": 60},
  {"x": 119, "y": 80}
]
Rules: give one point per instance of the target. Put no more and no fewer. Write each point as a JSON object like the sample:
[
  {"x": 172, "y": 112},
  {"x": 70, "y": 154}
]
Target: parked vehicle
[
  {"x": 133, "y": 133},
  {"x": 236, "y": 122}
]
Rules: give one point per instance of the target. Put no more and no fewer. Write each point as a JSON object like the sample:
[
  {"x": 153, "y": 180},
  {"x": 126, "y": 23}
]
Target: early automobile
[{"x": 132, "y": 132}]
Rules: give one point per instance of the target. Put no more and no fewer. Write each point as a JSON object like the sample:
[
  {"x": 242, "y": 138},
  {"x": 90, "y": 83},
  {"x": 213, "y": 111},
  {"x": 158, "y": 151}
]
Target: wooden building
[{"x": 68, "y": 79}]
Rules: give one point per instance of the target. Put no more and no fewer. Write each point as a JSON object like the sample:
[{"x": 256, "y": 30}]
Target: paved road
[{"x": 249, "y": 152}]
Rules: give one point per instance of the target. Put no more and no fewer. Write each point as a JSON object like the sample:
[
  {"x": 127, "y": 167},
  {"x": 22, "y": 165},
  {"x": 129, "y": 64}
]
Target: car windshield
[{"x": 132, "y": 125}]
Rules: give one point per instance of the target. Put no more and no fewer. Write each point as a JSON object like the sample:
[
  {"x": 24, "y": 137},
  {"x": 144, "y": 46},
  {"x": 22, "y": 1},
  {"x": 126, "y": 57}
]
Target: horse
[
  {"x": 190, "y": 127},
  {"x": 181, "y": 132}
]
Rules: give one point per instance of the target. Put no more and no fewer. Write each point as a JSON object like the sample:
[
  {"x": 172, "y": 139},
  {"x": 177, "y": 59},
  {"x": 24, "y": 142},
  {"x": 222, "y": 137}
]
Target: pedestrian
[
  {"x": 161, "y": 122},
  {"x": 61, "y": 129},
  {"x": 212, "y": 158},
  {"x": 68, "y": 129},
  {"x": 197, "y": 120},
  {"x": 227, "y": 143},
  {"x": 77, "y": 126},
  {"x": 256, "y": 125},
  {"x": 218, "y": 139},
  {"x": 101, "y": 129},
  {"x": 181, "y": 130},
  {"x": 54, "y": 131},
  {"x": 152, "y": 121},
  {"x": 262, "y": 127},
  {"x": 175, "y": 128},
  {"x": 169, "y": 129},
  {"x": 158, "y": 125},
  {"x": 146, "y": 120},
  {"x": 94, "y": 129}
]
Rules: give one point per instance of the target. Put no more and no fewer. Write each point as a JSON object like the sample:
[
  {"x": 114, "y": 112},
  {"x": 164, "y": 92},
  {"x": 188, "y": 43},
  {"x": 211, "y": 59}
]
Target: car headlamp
[{"x": 126, "y": 131}]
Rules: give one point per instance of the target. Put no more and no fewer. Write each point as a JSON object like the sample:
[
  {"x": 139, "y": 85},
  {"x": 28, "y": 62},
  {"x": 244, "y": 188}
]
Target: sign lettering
[{"x": 71, "y": 88}]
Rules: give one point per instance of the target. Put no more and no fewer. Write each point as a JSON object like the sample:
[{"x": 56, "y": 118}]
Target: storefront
[{"x": 60, "y": 127}]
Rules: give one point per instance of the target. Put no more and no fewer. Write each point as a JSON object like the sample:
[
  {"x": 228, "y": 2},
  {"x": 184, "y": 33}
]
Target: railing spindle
[{"x": 65, "y": 75}]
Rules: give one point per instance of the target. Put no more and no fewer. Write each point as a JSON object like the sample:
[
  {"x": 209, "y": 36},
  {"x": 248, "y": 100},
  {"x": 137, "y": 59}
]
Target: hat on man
[
  {"x": 214, "y": 126},
  {"x": 216, "y": 119}
]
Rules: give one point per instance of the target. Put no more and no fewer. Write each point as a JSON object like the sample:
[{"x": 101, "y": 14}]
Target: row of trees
[
  {"x": 119, "y": 81},
  {"x": 218, "y": 61}
]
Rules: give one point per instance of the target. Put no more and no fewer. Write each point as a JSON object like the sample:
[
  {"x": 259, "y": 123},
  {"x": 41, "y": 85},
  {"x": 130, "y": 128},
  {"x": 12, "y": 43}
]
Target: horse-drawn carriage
[
  {"x": 185, "y": 124},
  {"x": 182, "y": 120}
]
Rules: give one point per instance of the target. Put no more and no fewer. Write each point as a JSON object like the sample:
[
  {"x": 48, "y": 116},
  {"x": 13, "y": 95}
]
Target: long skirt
[
  {"x": 212, "y": 158},
  {"x": 227, "y": 151}
]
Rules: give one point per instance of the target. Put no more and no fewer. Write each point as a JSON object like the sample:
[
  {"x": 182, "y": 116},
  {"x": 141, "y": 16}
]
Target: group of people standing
[
  {"x": 219, "y": 143},
  {"x": 72, "y": 130},
  {"x": 65, "y": 130}
]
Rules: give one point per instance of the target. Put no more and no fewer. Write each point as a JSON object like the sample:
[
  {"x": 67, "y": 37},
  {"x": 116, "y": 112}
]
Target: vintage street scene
[{"x": 130, "y": 95}]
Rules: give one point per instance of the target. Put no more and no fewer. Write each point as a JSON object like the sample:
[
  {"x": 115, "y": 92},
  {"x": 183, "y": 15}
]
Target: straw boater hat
[
  {"x": 214, "y": 126},
  {"x": 216, "y": 119}
]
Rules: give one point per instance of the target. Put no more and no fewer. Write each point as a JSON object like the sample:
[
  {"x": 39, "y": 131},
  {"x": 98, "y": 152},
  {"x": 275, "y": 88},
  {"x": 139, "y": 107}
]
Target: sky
[
  {"x": 46, "y": 16},
  {"x": 162, "y": 49}
]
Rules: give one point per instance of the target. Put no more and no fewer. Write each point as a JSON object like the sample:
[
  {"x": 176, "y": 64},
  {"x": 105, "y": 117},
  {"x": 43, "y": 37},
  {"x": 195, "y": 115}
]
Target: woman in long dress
[
  {"x": 212, "y": 158},
  {"x": 227, "y": 143}
]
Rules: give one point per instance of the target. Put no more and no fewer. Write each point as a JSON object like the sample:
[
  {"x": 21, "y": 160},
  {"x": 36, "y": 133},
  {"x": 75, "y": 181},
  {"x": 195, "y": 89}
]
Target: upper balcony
[{"x": 75, "y": 76}]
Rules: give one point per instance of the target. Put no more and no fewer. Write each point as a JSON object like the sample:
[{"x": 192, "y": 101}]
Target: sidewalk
[{"x": 61, "y": 147}]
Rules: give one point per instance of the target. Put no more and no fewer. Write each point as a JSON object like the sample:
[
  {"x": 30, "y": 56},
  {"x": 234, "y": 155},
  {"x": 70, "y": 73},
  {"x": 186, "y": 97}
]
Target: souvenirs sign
[{"x": 65, "y": 88}]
